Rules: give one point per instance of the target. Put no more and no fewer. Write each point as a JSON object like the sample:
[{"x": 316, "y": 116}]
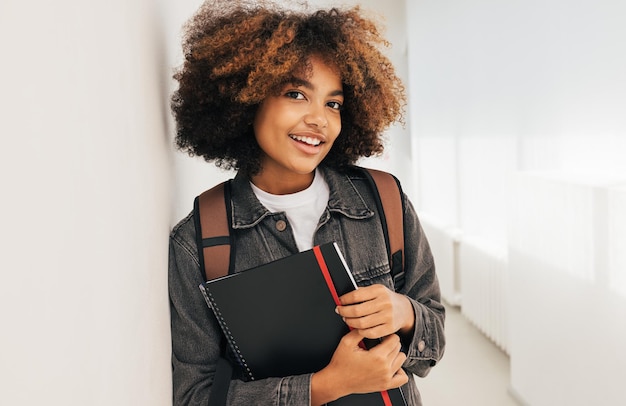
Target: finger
[
  {"x": 392, "y": 345},
  {"x": 352, "y": 339},
  {"x": 355, "y": 310},
  {"x": 364, "y": 321},
  {"x": 399, "y": 378},
  {"x": 398, "y": 361},
  {"x": 362, "y": 294},
  {"x": 367, "y": 308},
  {"x": 371, "y": 327},
  {"x": 378, "y": 331},
  {"x": 388, "y": 348}
]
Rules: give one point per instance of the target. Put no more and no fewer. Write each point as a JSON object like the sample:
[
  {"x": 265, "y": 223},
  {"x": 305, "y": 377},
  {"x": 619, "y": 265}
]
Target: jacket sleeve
[
  {"x": 426, "y": 347},
  {"x": 196, "y": 341}
]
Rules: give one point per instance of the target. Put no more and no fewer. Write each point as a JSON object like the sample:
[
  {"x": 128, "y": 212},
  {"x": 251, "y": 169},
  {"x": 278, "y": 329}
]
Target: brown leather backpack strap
[
  {"x": 390, "y": 196},
  {"x": 211, "y": 216},
  {"x": 214, "y": 236}
]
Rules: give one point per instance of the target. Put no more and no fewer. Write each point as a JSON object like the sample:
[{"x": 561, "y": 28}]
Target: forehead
[{"x": 316, "y": 62}]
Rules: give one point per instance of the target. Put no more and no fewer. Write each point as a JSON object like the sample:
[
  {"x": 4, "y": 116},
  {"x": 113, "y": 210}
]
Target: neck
[{"x": 282, "y": 185}]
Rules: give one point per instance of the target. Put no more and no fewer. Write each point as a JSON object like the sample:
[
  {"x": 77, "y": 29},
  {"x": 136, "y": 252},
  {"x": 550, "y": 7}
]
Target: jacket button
[
  {"x": 281, "y": 225},
  {"x": 421, "y": 346}
]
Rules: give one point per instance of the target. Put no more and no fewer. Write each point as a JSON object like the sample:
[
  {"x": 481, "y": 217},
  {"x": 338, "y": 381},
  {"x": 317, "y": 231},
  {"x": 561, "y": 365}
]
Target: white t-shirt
[{"x": 303, "y": 209}]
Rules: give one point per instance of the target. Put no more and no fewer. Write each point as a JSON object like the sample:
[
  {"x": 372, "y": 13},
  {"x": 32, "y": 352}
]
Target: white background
[{"x": 91, "y": 183}]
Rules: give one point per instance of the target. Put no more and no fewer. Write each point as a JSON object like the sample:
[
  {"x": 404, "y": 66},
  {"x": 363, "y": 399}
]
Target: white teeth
[{"x": 307, "y": 140}]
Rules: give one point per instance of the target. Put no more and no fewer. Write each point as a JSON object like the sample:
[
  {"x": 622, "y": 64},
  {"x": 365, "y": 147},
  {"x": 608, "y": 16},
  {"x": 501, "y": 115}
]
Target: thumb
[{"x": 352, "y": 339}]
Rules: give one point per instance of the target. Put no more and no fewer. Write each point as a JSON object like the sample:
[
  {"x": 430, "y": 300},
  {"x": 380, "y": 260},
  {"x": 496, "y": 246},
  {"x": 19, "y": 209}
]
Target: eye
[
  {"x": 334, "y": 105},
  {"x": 294, "y": 94}
]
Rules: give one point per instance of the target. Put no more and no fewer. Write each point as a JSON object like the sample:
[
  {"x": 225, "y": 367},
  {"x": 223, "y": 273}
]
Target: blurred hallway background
[
  {"x": 513, "y": 154},
  {"x": 474, "y": 372}
]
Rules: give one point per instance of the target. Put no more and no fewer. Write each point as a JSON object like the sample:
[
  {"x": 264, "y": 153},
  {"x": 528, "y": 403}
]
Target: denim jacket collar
[{"x": 247, "y": 211}]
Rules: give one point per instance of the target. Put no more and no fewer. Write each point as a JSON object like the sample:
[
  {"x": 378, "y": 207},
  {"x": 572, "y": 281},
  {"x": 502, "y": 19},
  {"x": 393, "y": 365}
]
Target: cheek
[
  {"x": 335, "y": 127},
  {"x": 274, "y": 120},
  {"x": 263, "y": 126}
]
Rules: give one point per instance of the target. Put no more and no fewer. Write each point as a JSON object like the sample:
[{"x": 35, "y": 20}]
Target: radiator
[
  {"x": 472, "y": 275},
  {"x": 484, "y": 284}
]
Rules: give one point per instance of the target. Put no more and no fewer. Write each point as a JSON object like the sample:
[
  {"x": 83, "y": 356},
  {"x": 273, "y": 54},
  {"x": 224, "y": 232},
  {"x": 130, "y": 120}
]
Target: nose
[{"x": 316, "y": 116}]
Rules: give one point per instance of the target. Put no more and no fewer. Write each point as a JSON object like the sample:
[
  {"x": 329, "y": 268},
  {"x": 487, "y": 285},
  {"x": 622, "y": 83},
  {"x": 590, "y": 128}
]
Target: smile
[{"x": 307, "y": 140}]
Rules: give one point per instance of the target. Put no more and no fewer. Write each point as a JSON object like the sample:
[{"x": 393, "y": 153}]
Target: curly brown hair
[{"x": 237, "y": 53}]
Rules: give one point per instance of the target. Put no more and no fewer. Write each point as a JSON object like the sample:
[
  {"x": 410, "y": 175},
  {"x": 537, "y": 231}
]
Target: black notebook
[{"x": 279, "y": 318}]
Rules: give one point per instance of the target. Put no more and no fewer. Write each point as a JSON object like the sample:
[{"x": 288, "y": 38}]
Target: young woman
[{"x": 292, "y": 100}]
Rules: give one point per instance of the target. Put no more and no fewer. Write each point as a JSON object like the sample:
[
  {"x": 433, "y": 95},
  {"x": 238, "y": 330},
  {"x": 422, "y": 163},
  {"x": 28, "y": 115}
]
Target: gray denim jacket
[{"x": 352, "y": 221}]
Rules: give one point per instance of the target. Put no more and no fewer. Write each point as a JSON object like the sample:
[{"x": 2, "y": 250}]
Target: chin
[
  {"x": 304, "y": 168},
  {"x": 304, "y": 171}
]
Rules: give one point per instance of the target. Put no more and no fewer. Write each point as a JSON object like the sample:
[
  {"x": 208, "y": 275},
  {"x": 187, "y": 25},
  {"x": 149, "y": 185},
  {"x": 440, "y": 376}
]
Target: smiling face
[{"x": 297, "y": 127}]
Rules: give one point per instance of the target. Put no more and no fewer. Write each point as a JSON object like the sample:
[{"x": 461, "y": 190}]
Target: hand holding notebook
[
  {"x": 353, "y": 369},
  {"x": 377, "y": 311},
  {"x": 279, "y": 320}
]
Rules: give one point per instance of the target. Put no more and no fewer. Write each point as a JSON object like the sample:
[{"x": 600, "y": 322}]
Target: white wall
[
  {"x": 85, "y": 209},
  {"x": 499, "y": 89}
]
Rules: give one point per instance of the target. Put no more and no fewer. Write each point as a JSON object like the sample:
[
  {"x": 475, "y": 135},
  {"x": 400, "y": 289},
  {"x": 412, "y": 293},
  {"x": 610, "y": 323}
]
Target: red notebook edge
[{"x": 331, "y": 287}]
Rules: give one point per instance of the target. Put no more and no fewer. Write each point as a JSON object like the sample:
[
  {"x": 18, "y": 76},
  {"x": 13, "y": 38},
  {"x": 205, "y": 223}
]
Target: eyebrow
[{"x": 305, "y": 83}]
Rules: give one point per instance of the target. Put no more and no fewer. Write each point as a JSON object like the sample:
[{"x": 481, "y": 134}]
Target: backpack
[{"x": 212, "y": 220}]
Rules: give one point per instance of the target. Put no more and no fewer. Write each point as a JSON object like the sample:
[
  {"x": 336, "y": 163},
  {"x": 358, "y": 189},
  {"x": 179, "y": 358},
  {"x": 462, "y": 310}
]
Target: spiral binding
[{"x": 208, "y": 297}]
